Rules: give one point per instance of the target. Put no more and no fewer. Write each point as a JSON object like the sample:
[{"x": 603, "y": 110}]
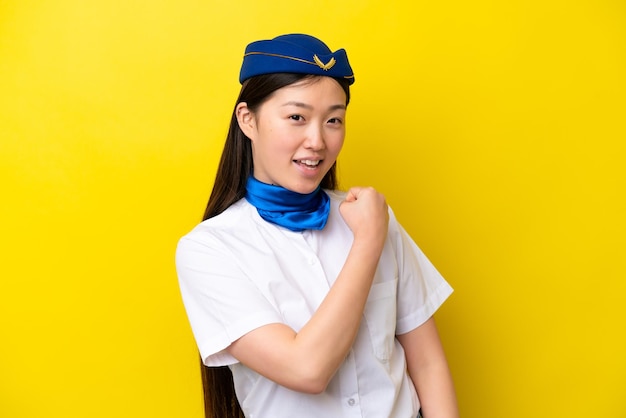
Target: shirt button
[
  {"x": 312, "y": 260},
  {"x": 351, "y": 402}
]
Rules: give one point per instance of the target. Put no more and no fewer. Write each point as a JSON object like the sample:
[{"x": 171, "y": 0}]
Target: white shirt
[{"x": 238, "y": 272}]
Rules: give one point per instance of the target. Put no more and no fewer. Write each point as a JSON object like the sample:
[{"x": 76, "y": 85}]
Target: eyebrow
[{"x": 309, "y": 107}]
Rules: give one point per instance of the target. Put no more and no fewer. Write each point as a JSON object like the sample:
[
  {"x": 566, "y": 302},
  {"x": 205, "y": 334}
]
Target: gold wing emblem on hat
[{"x": 323, "y": 66}]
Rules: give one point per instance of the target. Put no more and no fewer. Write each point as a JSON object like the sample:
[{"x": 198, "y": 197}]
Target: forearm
[
  {"x": 436, "y": 391},
  {"x": 429, "y": 371},
  {"x": 326, "y": 339},
  {"x": 306, "y": 361}
]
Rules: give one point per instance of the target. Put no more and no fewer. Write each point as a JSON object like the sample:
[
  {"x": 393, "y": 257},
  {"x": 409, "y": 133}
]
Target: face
[{"x": 296, "y": 133}]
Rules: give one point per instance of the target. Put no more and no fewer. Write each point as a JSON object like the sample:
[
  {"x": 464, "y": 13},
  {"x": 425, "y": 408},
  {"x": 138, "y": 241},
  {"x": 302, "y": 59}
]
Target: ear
[{"x": 246, "y": 120}]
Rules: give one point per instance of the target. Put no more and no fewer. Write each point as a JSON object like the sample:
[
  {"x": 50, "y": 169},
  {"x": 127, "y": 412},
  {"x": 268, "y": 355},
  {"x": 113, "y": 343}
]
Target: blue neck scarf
[{"x": 294, "y": 211}]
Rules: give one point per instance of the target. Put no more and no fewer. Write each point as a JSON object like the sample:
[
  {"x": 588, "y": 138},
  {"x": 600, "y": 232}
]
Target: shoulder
[{"x": 231, "y": 225}]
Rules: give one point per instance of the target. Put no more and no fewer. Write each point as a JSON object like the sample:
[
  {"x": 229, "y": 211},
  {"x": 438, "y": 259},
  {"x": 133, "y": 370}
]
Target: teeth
[{"x": 310, "y": 163}]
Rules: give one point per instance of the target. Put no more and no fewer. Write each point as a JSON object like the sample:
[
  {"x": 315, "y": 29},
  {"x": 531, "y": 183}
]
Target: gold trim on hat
[{"x": 316, "y": 61}]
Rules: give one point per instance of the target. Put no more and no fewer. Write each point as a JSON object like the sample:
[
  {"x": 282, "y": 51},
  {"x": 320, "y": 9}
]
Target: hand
[{"x": 366, "y": 213}]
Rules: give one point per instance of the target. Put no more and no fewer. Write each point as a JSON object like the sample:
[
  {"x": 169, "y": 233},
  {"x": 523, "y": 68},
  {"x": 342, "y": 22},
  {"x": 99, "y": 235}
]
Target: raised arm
[{"x": 306, "y": 361}]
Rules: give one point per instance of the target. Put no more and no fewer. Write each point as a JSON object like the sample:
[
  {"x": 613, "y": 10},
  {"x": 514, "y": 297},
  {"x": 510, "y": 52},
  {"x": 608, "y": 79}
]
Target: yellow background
[{"x": 496, "y": 130}]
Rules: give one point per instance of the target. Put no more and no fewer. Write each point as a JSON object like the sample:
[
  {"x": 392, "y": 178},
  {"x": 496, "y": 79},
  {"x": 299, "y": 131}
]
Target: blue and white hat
[{"x": 294, "y": 53}]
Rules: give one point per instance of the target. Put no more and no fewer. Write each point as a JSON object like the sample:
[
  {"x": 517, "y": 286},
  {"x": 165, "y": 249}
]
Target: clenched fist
[{"x": 366, "y": 213}]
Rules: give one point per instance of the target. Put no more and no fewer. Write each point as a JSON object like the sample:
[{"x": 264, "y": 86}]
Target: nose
[{"x": 315, "y": 138}]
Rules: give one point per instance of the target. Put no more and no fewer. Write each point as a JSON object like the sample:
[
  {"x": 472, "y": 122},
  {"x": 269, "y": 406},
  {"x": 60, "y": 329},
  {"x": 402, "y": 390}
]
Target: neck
[{"x": 287, "y": 208}]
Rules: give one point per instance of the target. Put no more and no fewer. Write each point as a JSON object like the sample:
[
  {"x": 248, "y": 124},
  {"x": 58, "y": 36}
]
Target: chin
[{"x": 304, "y": 188}]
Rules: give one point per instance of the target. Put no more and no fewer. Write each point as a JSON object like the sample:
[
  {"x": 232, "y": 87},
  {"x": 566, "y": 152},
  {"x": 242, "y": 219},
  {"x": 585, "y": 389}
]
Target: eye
[
  {"x": 297, "y": 118},
  {"x": 335, "y": 121}
]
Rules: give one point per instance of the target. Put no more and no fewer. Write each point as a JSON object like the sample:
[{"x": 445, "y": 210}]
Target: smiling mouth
[{"x": 308, "y": 163}]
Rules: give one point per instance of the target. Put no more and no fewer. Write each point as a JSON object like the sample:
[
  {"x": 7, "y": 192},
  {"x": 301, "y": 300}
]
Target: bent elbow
[
  {"x": 316, "y": 390},
  {"x": 313, "y": 381},
  {"x": 313, "y": 386}
]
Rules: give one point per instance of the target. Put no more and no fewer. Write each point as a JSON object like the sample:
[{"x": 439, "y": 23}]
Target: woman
[{"x": 317, "y": 300}]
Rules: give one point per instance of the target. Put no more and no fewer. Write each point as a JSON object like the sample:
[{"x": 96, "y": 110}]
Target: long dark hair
[{"x": 230, "y": 186}]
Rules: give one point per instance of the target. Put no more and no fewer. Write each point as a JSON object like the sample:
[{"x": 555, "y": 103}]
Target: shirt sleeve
[
  {"x": 221, "y": 302},
  {"x": 421, "y": 288}
]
